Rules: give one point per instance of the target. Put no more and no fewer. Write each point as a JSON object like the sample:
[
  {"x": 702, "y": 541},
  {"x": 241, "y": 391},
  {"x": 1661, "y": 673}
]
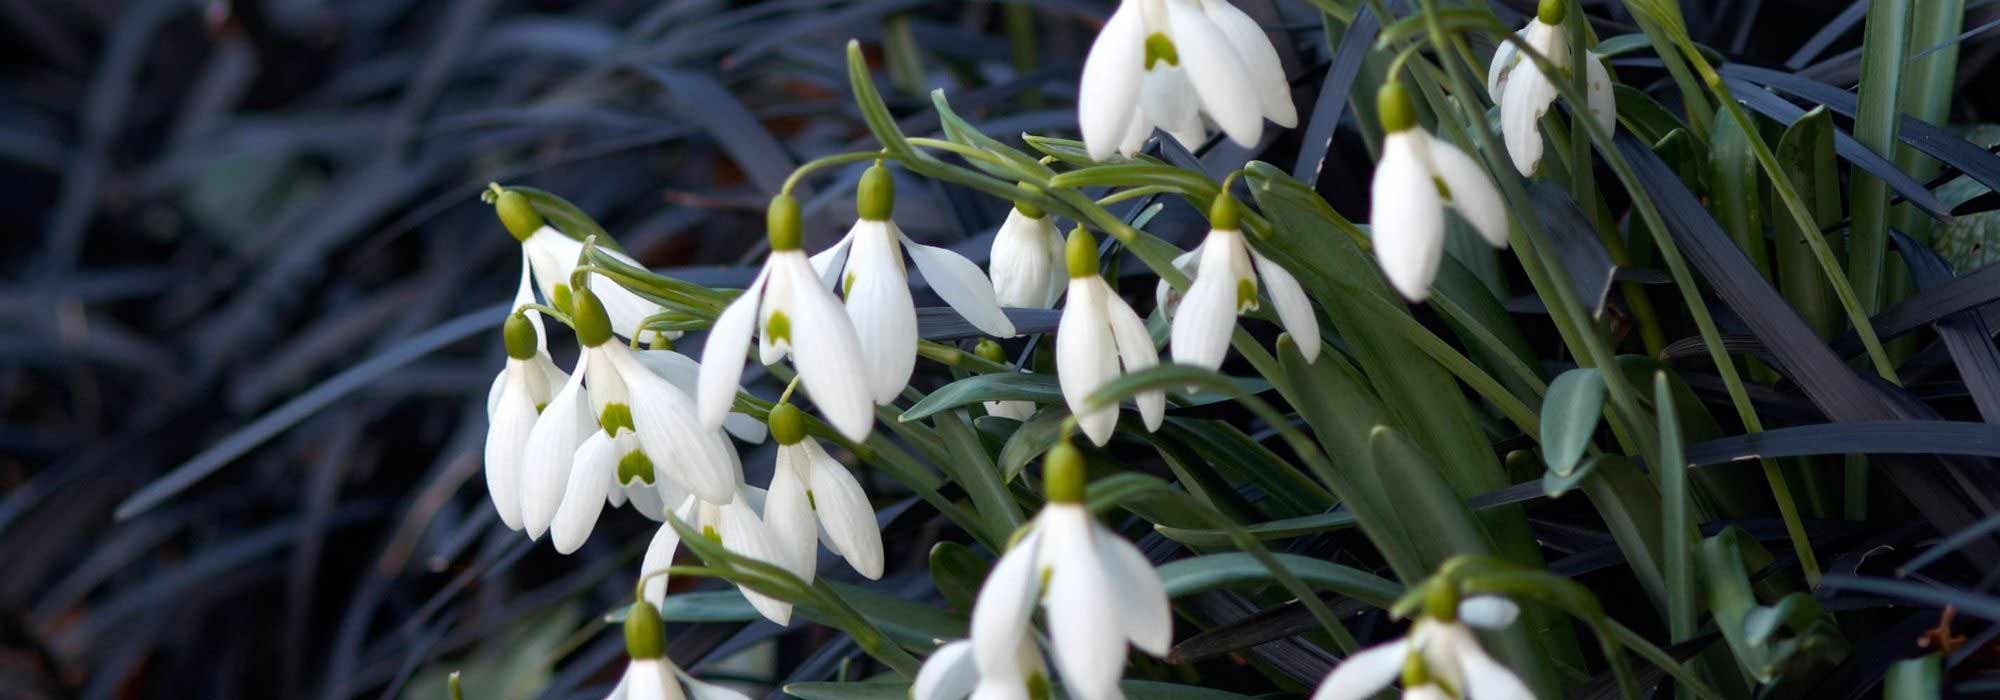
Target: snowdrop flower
[
  {"x": 1439, "y": 657},
  {"x": 625, "y": 396},
  {"x": 1017, "y": 410},
  {"x": 1027, "y": 259},
  {"x": 792, "y": 313},
  {"x": 952, "y": 673},
  {"x": 553, "y": 257},
  {"x": 525, "y": 385},
  {"x": 651, "y": 675},
  {"x": 1166, "y": 63},
  {"x": 868, "y": 267},
  {"x": 1225, "y": 286},
  {"x": 808, "y": 484},
  {"x": 736, "y": 526},
  {"x": 1525, "y": 94},
  {"x": 1098, "y": 332},
  {"x": 1418, "y": 175},
  {"x": 1099, "y": 590}
]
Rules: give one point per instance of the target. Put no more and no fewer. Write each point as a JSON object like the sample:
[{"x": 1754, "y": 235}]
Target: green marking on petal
[
  {"x": 616, "y": 416},
  {"x": 847, "y": 284},
  {"x": 1038, "y": 686},
  {"x": 778, "y": 327},
  {"x": 810, "y": 503},
  {"x": 709, "y": 532},
  {"x": 635, "y": 465},
  {"x": 1159, "y": 47},
  {"x": 540, "y": 406},
  {"x": 1246, "y": 294}
]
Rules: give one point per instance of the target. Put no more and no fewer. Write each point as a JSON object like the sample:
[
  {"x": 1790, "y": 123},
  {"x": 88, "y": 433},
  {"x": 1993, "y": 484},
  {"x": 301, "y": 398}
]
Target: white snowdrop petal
[
  {"x": 1136, "y": 351},
  {"x": 743, "y": 533},
  {"x": 1472, "y": 192},
  {"x": 1006, "y": 605},
  {"x": 789, "y": 512},
  {"x": 829, "y": 263},
  {"x": 1109, "y": 89},
  {"x": 646, "y": 498},
  {"x": 524, "y": 294},
  {"x": 551, "y": 377},
  {"x": 583, "y": 497},
  {"x": 827, "y": 352},
  {"x": 702, "y": 460},
  {"x": 660, "y": 553},
  {"x": 506, "y": 442},
  {"x": 722, "y": 354},
  {"x": 702, "y": 690},
  {"x": 1089, "y": 645},
  {"x": 1170, "y": 102},
  {"x": 619, "y": 692},
  {"x": 1087, "y": 356},
  {"x": 1603, "y": 99},
  {"x": 650, "y": 679},
  {"x": 1488, "y": 612},
  {"x": 962, "y": 286},
  {"x": 1143, "y": 612},
  {"x": 1206, "y": 317},
  {"x": 553, "y": 257},
  {"x": 1017, "y": 410},
  {"x": 844, "y": 512},
  {"x": 1444, "y": 645},
  {"x": 627, "y": 311},
  {"x": 1367, "y": 671},
  {"x": 1486, "y": 679},
  {"x": 947, "y": 674},
  {"x": 493, "y": 390},
  {"x": 1253, "y": 46},
  {"x": 551, "y": 450},
  {"x": 1425, "y": 692},
  {"x": 1504, "y": 59},
  {"x": 1408, "y": 226},
  {"x": 1526, "y": 99},
  {"x": 685, "y": 374},
  {"x": 1217, "y": 73},
  {"x": 1289, "y": 299},
  {"x": 879, "y": 304}
]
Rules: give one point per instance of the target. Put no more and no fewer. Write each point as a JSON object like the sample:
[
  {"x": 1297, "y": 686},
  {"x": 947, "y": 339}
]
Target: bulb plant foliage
[{"x": 1313, "y": 406}]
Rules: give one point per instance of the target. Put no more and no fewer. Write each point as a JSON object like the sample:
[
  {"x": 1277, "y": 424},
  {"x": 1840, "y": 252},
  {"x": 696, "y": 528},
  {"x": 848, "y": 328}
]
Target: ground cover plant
[{"x": 1188, "y": 349}]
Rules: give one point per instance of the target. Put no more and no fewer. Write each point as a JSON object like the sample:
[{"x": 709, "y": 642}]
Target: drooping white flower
[
  {"x": 1100, "y": 591},
  {"x": 625, "y": 394},
  {"x": 1450, "y": 656},
  {"x": 1418, "y": 175},
  {"x": 791, "y": 313},
  {"x": 522, "y": 388},
  {"x": 1166, "y": 64},
  {"x": 952, "y": 673},
  {"x": 651, "y": 675},
  {"x": 551, "y": 451},
  {"x": 1099, "y": 338},
  {"x": 1026, "y": 261},
  {"x": 553, "y": 256},
  {"x": 867, "y": 266},
  {"x": 812, "y": 494},
  {"x": 609, "y": 470},
  {"x": 1524, "y": 93},
  {"x": 1225, "y": 286},
  {"x": 738, "y": 528}
]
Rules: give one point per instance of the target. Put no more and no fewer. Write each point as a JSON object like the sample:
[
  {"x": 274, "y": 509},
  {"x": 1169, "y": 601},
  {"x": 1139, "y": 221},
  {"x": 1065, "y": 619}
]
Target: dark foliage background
[{"x": 216, "y": 211}]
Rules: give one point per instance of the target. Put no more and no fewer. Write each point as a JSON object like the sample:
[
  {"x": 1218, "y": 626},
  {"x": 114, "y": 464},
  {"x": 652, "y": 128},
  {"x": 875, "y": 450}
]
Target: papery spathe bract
[
  {"x": 1525, "y": 93},
  {"x": 790, "y": 313},
  {"x": 1225, "y": 285},
  {"x": 1099, "y": 338},
  {"x": 1418, "y": 175},
  {"x": 1166, "y": 63},
  {"x": 1101, "y": 588},
  {"x": 867, "y": 267}
]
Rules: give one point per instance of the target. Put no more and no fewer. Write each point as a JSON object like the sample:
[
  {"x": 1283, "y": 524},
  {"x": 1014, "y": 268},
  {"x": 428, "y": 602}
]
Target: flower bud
[
  {"x": 788, "y": 424},
  {"x": 990, "y": 351},
  {"x": 587, "y": 315},
  {"x": 875, "y": 197},
  {"x": 645, "y": 632},
  {"x": 1225, "y": 213},
  {"x": 1394, "y": 108},
  {"x": 1063, "y": 478},
  {"x": 519, "y": 335},
  {"x": 1080, "y": 254},
  {"x": 782, "y": 220},
  {"x": 517, "y": 214}
]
